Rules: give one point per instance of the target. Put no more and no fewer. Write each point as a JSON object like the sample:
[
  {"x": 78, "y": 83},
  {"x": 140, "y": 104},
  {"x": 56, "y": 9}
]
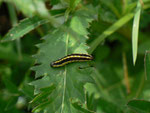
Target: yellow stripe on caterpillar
[{"x": 71, "y": 58}]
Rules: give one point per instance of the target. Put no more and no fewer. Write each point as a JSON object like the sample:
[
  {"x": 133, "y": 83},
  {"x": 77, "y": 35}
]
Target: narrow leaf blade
[
  {"x": 135, "y": 30},
  {"x": 24, "y": 27}
]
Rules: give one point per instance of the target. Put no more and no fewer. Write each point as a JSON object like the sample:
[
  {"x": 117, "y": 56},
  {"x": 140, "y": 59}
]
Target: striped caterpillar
[{"x": 71, "y": 58}]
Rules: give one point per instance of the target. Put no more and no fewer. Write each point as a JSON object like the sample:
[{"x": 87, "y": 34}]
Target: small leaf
[
  {"x": 23, "y": 28},
  {"x": 135, "y": 32},
  {"x": 140, "y": 106}
]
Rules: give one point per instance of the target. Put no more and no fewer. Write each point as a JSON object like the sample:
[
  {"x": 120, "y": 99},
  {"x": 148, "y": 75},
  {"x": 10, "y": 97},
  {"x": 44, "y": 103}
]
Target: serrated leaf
[
  {"x": 140, "y": 106},
  {"x": 23, "y": 28},
  {"x": 69, "y": 80},
  {"x": 42, "y": 106},
  {"x": 45, "y": 92},
  {"x": 135, "y": 32}
]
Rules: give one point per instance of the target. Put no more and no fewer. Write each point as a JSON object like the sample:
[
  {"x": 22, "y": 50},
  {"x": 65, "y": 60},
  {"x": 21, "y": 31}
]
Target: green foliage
[
  {"x": 103, "y": 29},
  {"x": 110, "y": 30},
  {"x": 23, "y": 28},
  {"x": 141, "y": 106},
  {"x": 69, "y": 80},
  {"x": 147, "y": 65}
]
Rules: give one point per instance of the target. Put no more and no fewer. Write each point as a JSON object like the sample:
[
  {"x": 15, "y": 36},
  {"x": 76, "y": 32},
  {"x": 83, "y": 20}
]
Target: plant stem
[
  {"x": 14, "y": 21},
  {"x": 125, "y": 68}
]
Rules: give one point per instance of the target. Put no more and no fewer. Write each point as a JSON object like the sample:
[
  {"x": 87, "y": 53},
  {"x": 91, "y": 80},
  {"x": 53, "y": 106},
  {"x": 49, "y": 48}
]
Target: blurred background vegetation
[{"x": 120, "y": 77}]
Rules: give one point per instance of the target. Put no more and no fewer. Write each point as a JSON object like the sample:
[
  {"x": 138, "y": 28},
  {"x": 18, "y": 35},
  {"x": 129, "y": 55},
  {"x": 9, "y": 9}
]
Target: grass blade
[
  {"x": 24, "y": 27},
  {"x": 135, "y": 30}
]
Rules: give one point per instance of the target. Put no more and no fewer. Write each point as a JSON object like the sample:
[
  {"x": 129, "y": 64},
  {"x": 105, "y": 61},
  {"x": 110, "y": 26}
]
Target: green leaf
[
  {"x": 140, "y": 106},
  {"x": 69, "y": 80},
  {"x": 54, "y": 2},
  {"x": 45, "y": 92},
  {"x": 147, "y": 65},
  {"x": 108, "y": 107},
  {"x": 109, "y": 31},
  {"x": 135, "y": 32},
  {"x": 74, "y": 3},
  {"x": 80, "y": 107},
  {"x": 24, "y": 27}
]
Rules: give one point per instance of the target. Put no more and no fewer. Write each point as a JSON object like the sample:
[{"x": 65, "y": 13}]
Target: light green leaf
[
  {"x": 110, "y": 30},
  {"x": 23, "y": 28},
  {"x": 69, "y": 80},
  {"x": 31, "y": 7},
  {"x": 140, "y": 106},
  {"x": 135, "y": 31}
]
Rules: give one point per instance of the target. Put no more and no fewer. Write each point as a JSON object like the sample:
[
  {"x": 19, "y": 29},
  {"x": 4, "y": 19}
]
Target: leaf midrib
[{"x": 65, "y": 75}]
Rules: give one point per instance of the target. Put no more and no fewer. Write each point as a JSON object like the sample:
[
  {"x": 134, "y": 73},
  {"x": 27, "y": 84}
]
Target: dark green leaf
[
  {"x": 140, "y": 106},
  {"x": 108, "y": 107}
]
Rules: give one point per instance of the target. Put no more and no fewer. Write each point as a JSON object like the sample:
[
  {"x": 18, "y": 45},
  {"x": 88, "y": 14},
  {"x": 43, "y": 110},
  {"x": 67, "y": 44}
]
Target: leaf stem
[
  {"x": 125, "y": 68},
  {"x": 65, "y": 75},
  {"x": 14, "y": 22}
]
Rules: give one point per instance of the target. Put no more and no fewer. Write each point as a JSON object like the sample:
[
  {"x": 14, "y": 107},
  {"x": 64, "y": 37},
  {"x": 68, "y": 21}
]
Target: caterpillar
[{"x": 71, "y": 58}]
